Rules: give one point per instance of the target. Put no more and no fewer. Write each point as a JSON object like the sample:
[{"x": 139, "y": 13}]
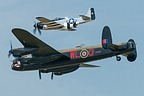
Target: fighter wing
[
  {"x": 50, "y": 23},
  {"x": 43, "y": 19},
  {"x": 30, "y": 41}
]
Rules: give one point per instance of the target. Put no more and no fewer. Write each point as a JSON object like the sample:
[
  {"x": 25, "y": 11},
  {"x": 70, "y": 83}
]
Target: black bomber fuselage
[{"x": 76, "y": 56}]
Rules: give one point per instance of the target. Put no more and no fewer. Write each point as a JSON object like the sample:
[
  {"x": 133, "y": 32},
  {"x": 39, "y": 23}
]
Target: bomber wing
[
  {"x": 50, "y": 23},
  {"x": 30, "y": 41},
  {"x": 88, "y": 65}
]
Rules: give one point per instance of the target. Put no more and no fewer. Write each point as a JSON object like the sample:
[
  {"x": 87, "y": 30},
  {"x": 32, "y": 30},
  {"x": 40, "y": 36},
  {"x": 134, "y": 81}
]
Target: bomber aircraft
[
  {"x": 37, "y": 55},
  {"x": 62, "y": 24}
]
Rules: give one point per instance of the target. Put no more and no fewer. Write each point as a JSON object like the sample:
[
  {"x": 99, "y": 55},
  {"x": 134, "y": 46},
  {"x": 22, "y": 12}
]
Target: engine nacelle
[
  {"x": 132, "y": 55},
  {"x": 44, "y": 71},
  {"x": 61, "y": 71},
  {"x": 67, "y": 70},
  {"x": 22, "y": 51}
]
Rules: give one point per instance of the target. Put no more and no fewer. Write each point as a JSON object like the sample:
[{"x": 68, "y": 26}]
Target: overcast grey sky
[{"x": 126, "y": 20}]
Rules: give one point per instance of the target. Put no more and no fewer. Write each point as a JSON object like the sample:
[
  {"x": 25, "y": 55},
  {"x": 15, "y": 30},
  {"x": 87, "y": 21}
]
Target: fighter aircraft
[
  {"x": 37, "y": 55},
  {"x": 66, "y": 23}
]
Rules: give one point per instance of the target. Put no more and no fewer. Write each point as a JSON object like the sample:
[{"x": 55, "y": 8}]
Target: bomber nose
[
  {"x": 10, "y": 52},
  {"x": 13, "y": 67},
  {"x": 16, "y": 67}
]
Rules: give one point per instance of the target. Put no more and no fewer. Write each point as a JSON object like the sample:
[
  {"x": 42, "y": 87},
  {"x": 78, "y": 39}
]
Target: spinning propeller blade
[
  {"x": 39, "y": 74},
  {"x": 10, "y": 51},
  {"x": 36, "y": 28},
  {"x": 52, "y": 76}
]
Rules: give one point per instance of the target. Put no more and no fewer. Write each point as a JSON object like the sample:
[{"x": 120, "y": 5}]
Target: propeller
[
  {"x": 39, "y": 74},
  {"x": 36, "y": 27},
  {"x": 52, "y": 76},
  {"x": 10, "y": 51}
]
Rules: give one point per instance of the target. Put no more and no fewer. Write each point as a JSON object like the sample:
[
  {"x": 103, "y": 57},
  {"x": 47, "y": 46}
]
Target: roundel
[
  {"x": 84, "y": 53},
  {"x": 71, "y": 20}
]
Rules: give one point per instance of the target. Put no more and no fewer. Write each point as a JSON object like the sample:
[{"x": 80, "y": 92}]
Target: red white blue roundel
[{"x": 84, "y": 53}]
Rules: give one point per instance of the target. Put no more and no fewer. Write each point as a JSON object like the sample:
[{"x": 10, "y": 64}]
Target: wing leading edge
[
  {"x": 50, "y": 23},
  {"x": 30, "y": 41}
]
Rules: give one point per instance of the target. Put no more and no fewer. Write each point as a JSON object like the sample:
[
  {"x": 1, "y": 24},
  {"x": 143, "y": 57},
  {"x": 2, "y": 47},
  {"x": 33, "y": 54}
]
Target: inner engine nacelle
[
  {"x": 67, "y": 70},
  {"x": 44, "y": 71},
  {"x": 61, "y": 71},
  {"x": 132, "y": 55}
]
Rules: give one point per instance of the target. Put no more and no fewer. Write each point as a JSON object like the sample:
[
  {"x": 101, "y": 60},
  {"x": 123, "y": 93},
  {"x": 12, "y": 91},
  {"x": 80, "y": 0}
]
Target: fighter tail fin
[
  {"x": 91, "y": 13},
  {"x": 106, "y": 38}
]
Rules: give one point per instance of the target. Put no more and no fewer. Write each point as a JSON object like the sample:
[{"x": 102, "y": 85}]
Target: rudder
[
  {"x": 106, "y": 38},
  {"x": 91, "y": 14}
]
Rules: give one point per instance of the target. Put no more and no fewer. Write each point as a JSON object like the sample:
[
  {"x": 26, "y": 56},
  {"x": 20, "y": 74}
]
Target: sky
[{"x": 113, "y": 78}]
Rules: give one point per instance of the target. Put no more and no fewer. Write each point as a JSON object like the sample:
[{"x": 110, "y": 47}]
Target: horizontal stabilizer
[
  {"x": 85, "y": 17},
  {"x": 88, "y": 65},
  {"x": 106, "y": 38}
]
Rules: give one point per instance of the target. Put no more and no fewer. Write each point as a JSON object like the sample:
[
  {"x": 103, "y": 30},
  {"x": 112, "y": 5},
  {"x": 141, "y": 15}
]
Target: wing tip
[
  {"x": 15, "y": 30},
  {"x": 38, "y": 17}
]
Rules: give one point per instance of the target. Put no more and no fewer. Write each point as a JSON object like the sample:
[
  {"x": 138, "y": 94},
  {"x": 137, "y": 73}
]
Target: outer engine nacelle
[
  {"x": 22, "y": 51},
  {"x": 132, "y": 55}
]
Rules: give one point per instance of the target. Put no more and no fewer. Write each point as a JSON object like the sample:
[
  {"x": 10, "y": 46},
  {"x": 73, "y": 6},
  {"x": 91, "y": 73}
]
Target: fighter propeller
[{"x": 36, "y": 27}]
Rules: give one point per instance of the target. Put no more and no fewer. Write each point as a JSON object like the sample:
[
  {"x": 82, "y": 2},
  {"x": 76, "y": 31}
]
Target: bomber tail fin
[
  {"x": 106, "y": 38},
  {"x": 132, "y": 55}
]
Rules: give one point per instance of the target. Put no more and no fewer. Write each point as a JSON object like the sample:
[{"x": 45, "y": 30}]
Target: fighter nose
[{"x": 35, "y": 25}]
